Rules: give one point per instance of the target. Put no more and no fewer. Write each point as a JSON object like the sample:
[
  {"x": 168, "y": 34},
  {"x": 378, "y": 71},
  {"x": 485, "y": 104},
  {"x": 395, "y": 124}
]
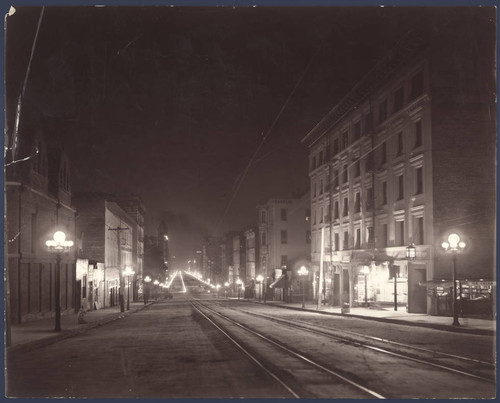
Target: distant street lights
[
  {"x": 259, "y": 279},
  {"x": 454, "y": 246},
  {"x": 365, "y": 270},
  {"x": 58, "y": 245},
  {"x": 145, "y": 292},
  {"x": 238, "y": 284},
  {"x": 128, "y": 272},
  {"x": 303, "y": 272}
]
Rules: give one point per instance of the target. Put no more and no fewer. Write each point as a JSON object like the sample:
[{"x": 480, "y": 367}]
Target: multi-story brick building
[
  {"x": 38, "y": 203},
  {"x": 408, "y": 156},
  {"x": 106, "y": 237},
  {"x": 284, "y": 235}
]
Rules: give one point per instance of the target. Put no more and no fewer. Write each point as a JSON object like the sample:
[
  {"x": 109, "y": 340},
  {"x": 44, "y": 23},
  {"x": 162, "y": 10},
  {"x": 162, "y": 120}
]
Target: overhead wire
[{"x": 242, "y": 176}]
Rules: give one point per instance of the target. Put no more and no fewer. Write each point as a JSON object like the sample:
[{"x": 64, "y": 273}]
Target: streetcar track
[
  {"x": 295, "y": 354},
  {"x": 408, "y": 356}
]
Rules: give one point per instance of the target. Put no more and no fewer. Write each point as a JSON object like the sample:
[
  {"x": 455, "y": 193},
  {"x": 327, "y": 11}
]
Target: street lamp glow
[
  {"x": 454, "y": 246},
  {"x": 59, "y": 245},
  {"x": 303, "y": 272}
]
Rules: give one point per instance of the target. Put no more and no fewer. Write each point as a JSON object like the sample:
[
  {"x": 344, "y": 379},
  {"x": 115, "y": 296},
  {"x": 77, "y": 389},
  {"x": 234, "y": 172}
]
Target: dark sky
[{"x": 171, "y": 103}]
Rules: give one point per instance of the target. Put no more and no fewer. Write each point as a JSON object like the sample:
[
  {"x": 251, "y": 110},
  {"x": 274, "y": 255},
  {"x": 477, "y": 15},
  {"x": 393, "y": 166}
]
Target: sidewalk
[
  {"x": 388, "y": 314},
  {"x": 31, "y": 335}
]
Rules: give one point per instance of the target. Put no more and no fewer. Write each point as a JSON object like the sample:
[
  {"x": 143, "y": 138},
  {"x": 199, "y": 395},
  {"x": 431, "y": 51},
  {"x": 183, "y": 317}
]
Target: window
[
  {"x": 383, "y": 153},
  {"x": 263, "y": 239},
  {"x": 321, "y": 214},
  {"x": 346, "y": 240},
  {"x": 344, "y": 141},
  {"x": 399, "y": 146},
  {"x": 369, "y": 198},
  {"x": 357, "y": 203},
  {"x": 357, "y": 169},
  {"x": 263, "y": 218},
  {"x": 399, "y": 99},
  {"x": 313, "y": 166},
  {"x": 284, "y": 236},
  {"x": 283, "y": 214},
  {"x": 382, "y": 111},
  {"x": 336, "y": 146},
  {"x": 370, "y": 233},
  {"x": 400, "y": 233},
  {"x": 327, "y": 152},
  {"x": 418, "y": 134},
  {"x": 384, "y": 192},
  {"x": 345, "y": 176},
  {"x": 314, "y": 221},
  {"x": 385, "y": 235},
  {"x": 33, "y": 233},
  {"x": 336, "y": 178},
  {"x": 368, "y": 122},
  {"x": 284, "y": 261},
  {"x": 401, "y": 187},
  {"x": 346, "y": 207},
  {"x": 308, "y": 236},
  {"x": 336, "y": 210},
  {"x": 321, "y": 187},
  {"x": 358, "y": 238},
  {"x": 419, "y": 230},
  {"x": 357, "y": 130},
  {"x": 337, "y": 241},
  {"x": 314, "y": 192},
  {"x": 419, "y": 180},
  {"x": 308, "y": 214},
  {"x": 417, "y": 85}
]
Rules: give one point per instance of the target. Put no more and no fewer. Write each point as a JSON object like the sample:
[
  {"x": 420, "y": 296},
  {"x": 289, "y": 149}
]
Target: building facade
[
  {"x": 284, "y": 237},
  {"x": 38, "y": 203},
  {"x": 401, "y": 160}
]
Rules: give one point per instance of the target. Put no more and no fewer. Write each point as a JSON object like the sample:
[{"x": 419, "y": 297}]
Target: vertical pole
[
  {"x": 322, "y": 252},
  {"x": 128, "y": 294},
  {"x": 395, "y": 292},
  {"x": 454, "y": 292},
  {"x": 58, "y": 293},
  {"x": 366, "y": 290},
  {"x": 303, "y": 295}
]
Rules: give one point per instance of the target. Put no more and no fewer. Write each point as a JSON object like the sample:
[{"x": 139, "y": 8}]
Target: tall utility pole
[{"x": 120, "y": 274}]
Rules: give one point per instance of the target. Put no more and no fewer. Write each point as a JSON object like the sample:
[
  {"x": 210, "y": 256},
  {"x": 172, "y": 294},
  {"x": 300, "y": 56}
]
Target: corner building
[{"x": 408, "y": 156}]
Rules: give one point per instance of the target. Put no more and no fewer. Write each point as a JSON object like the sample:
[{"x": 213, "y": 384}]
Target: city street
[{"x": 171, "y": 350}]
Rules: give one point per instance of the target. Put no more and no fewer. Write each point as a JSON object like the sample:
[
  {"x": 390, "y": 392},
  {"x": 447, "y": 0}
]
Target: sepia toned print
[{"x": 250, "y": 202}]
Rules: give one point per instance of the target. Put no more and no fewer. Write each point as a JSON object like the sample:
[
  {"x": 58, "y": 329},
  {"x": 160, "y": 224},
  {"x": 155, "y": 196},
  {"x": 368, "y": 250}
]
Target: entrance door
[{"x": 417, "y": 295}]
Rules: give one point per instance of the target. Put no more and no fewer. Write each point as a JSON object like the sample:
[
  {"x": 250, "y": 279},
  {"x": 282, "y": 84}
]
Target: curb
[
  {"x": 65, "y": 334},
  {"x": 437, "y": 326}
]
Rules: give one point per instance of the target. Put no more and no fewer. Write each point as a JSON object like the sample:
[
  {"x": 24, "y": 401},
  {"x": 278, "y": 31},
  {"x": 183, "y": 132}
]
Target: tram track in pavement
[
  {"x": 482, "y": 385},
  {"x": 470, "y": 367},
  {"x": 317, "y": 380}
]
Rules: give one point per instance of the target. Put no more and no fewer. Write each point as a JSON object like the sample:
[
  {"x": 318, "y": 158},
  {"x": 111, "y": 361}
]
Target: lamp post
[
  {"x": 128, "y": 272},
  {"x": 365, "y": 270},
  {"x": 454, "y": 246},
  {"x": 58, "y": 245},
  {"x": 259, "y": 279},
  {"x": 226, "y": 284},
  {"x": 147, "y": 280},
  {"x": 238, "y": 284},
  {"x": 218, "y": 288},
  {"x": 303, "y": 272}
]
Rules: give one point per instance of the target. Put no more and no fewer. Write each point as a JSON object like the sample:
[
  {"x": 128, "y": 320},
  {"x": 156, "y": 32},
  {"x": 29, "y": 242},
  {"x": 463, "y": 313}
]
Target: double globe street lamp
[
  {"x": 145, "y": 291},
  {"x": 454, "y": 246},
  {"x": 58, "y": 245}
]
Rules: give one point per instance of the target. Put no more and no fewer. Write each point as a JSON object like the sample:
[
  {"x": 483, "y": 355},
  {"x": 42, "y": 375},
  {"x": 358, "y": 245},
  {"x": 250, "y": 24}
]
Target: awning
[{"x": 279, "y": 283}]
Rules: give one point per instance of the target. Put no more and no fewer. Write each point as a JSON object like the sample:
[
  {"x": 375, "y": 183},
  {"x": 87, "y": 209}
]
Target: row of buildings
[{"x": 403, "y": 160}]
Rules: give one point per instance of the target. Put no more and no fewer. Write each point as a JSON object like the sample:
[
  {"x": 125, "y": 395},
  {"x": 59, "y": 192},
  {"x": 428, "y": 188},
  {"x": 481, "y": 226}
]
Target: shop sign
[{"x": 346, "y": 259}]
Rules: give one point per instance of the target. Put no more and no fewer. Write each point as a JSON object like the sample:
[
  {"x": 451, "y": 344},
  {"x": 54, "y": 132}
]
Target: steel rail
[
  {"x": 293, "y": 353},
  {"x": 381, "y": 350}
]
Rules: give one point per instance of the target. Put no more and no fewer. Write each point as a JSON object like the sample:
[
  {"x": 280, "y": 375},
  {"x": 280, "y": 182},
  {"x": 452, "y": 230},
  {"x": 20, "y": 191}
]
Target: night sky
[{"x": 175, "y": 103}]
